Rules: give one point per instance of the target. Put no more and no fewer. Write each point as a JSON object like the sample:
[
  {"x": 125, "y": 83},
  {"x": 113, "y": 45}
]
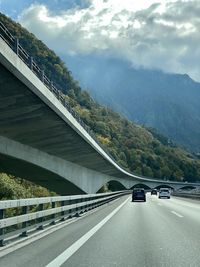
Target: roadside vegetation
[
  {"x": 12, "y": 187},
  {"x": 137, "y": 149}
]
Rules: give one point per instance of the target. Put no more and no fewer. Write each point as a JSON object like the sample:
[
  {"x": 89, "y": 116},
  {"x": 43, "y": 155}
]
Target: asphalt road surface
[{"x": 158, "y": 233}]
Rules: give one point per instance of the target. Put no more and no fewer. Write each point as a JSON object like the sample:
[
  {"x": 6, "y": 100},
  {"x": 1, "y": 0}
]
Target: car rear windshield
[{"x": 140, "y": 193}]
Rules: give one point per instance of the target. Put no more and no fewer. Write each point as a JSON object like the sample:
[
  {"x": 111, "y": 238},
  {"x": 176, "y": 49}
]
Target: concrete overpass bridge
[{"x": 42, "y": 139}]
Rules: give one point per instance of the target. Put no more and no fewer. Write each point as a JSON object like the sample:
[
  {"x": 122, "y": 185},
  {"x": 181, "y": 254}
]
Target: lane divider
[
  {"x": 64, "y": 256},
  {"x": 177, "y": 214}
]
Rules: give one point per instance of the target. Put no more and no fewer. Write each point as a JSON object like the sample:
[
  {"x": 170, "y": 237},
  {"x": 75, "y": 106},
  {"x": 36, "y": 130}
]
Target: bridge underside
[
  {"x": 38, "y": 175},
  {"x": 59, "y": 175},
  {"x": 28, "y": 120},
  {"x": 42, "y": 142}
]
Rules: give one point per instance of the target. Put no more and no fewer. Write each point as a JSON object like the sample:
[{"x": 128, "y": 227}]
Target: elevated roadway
[{"x": 40, "y": 139}]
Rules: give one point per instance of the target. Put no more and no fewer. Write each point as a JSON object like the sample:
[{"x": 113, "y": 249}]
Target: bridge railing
[
  {"x": 31, "y": 63},
  {"x": 36, "y": 213},
  {"x": 187, "y": 193},
  {"x": 14, "y": 44}
]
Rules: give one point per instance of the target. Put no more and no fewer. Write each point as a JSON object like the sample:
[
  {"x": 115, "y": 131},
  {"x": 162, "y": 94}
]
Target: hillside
[
  {"x": 167, "y": 102},
  {"x": 14, "y": 188},
  {"x": 133, "y": 147}
]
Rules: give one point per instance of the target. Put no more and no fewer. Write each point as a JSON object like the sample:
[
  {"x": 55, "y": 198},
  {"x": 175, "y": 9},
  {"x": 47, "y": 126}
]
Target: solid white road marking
[
  {"x": 63, "y": 257},
  {"x": 37, "y": 236},
  {"x": 177, "y": 214},
  {"x": 159, "y": 204}
]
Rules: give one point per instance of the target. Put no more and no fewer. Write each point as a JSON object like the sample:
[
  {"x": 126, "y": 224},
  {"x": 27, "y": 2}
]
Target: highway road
[{"x": 158, "y": 233}]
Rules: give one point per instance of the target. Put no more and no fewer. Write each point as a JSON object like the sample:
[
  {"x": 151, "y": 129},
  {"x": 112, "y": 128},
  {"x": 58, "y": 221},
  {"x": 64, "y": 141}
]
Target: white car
[{"x": 164, "y": 193}]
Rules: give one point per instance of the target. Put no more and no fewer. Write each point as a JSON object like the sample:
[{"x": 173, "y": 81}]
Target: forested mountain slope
[
  {"x": 167, "y": 102},
  {"x": 135, "y": 148}
]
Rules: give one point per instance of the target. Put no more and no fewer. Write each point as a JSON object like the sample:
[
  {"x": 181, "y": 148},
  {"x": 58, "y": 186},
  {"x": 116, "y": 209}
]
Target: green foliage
[
  {"x": 14, "y": 188},
  {"x": 142, "y": 151},
  {"x": 137, "y": 149},
  {"x": 104, "y": 189},
  {"x": 47, "y": 60}
]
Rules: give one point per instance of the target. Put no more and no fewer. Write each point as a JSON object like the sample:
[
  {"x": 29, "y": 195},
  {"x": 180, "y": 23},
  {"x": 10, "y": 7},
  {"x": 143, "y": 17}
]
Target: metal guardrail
[
  {"x": 186, "y": 194},
  {"x": 35, "y": 213},
  {"x": 14, "y": 44}
]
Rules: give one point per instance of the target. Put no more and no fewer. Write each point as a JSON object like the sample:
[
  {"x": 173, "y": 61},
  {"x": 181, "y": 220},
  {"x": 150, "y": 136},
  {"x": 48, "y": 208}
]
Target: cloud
[{"x": 162, "y": 35}]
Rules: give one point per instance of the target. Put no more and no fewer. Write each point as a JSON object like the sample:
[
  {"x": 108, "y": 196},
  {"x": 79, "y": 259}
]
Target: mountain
[
  {"x": 168, "y": 102},
  {"x": 135, "y": 148}
]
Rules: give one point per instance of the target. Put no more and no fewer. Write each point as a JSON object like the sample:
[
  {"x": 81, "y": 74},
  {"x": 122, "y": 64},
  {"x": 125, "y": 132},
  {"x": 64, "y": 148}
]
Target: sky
[{"x": 152, "y": 34}]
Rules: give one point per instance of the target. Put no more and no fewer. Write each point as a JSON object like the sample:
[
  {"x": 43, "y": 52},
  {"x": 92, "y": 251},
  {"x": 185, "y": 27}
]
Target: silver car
[{"x": 164, "y": 193}]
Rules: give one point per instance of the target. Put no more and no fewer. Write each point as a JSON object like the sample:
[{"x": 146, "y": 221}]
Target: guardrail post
[
  {"x": 51, "y": 86},
  {"x": 93, "y": 204},
  {"x": 62, "y": 212},
  {"x": 70, "y": 211},
  {"x": 81, "y": 208},
  {"x": 88, "y": 205},
  {"x": 41, "y": 227},
  {"x": 24, "y": 224},
  {"x": 85, "y": 209},
  {"x": 42, "y": 76},
  {"x": 97, "y": 204},
  {"x": 58, "y": 95},
  {"x": 77, "y": 209},
  {"x": 2, "y": 230},
  {"x": 16, "y": 48},
  {"x": 31, "y": 63},
  {"x": 66, "y": 104},
  {"x": 53, "y": 216}
]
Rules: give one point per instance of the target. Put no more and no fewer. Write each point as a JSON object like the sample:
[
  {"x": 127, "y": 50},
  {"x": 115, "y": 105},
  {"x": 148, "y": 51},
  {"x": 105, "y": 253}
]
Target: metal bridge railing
[
  {"x": 14, "y": 44},
  {"x": 35, "y": 213}
]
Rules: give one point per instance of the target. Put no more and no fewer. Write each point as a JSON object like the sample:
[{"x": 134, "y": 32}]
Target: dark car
[
  {"x": 154, "y": 192},
  {"x": 138, "y": 194}
]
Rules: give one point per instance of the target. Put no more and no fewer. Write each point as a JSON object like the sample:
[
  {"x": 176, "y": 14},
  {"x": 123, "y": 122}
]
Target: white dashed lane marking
[{"x": 177, "y": 214}]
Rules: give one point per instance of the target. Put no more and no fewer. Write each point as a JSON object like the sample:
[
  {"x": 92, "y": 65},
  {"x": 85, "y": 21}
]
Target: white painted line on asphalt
[
  {"x": 159, "y": 204},
  {"x": 177, "y": 214},
  {"x": 63, "y": 257},
  {"x": 38, "y": 235}
]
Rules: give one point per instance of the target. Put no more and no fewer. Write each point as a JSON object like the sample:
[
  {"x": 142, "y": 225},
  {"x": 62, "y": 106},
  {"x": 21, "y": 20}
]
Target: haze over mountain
[
  {"x": 168, "y": 102},
  {"x": 103, "y": 43},
  {"x": 149, "y": 34},
  {"x": 132, "y": 146}
]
